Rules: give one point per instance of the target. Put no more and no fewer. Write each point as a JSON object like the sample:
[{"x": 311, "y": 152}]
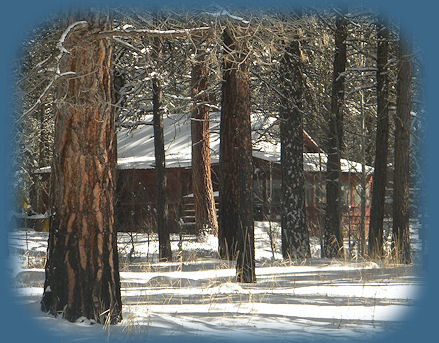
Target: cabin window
[
  {"x": 277, "y": 192},
  {"x": 368, "y": 194},
  {"x": 320, "y": 196},
  {"x": 357, "y": 195},
  {"x": 309, "y": 193},
  {"x": 258, "y": 190},
  {"x": 345, "y": 194}
]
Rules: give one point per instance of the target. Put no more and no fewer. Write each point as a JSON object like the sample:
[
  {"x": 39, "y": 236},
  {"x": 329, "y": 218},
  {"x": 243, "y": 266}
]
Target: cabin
[{"x": 135, "y": 185}]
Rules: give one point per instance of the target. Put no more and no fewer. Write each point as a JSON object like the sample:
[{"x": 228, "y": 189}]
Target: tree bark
[
  {"x": 205, "y": 212},
  {"x": 333, "y": 235},
  {"x": 245, "y": 262},
  {"x": 376, "y": 250},
  {"x": 401, "y": 232},
  {"x": 165, "y": 253},
  {"x": 228, "y": 186},
  {"x": 82, "y": 270},
  {"x": 236, "y": 188},
  {"x": 295, "y": 236}
]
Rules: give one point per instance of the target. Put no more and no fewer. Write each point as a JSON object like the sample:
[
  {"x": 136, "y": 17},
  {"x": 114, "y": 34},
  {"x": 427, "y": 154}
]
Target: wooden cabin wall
[
  {"x": 315, "y": 198},
  {"x": 135, "y": 198}
]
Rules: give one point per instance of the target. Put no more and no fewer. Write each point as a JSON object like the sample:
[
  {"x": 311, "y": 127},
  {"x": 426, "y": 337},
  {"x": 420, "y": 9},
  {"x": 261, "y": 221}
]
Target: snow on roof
[
  {"x": 135, "y": 147},
  {"x": 313, "y": 161}
]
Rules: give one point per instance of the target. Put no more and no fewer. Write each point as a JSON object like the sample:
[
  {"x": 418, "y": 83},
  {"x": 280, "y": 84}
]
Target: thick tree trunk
[
  {"x": 295, "y": 236},
  {"x": 82, "y": 271},
  {"x": 205, "y": 212},
  {"x": 380, "y": 168},
  {"x": 165, "y": 253},
  {"x": 236, "y": 231},
  {"x": 333, "y": 235},
  {"x": 401, "y": 233}
]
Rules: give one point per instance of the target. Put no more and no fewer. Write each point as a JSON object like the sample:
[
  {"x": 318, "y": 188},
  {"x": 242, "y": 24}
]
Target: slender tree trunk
[
  {"x": 165, "y": 253},
  {"x": 333, "y": 235},
  {"x": 82, "y": 270},
  {"x": 228, "y": 187},
  {"x": 245, "y": 262},
  {"x": 295, "y": 236},
  {"x": 205, "y": 212},
  {"x": 362, "y": 227},
  {"x": 36, "y": 193},
  {"x": 401, "y": 233},
  {"x": 376, "y": 250}
]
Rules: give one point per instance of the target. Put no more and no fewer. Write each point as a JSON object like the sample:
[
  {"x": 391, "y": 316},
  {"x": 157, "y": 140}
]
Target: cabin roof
[{"x": 135, "y": 147}]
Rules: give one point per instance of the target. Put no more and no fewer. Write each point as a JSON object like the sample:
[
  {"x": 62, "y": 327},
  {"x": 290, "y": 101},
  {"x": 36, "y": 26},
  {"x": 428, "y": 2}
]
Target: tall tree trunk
[
  {"x": 228, "y": 186},
  {"x": 205, "y": 212},
  {"x": 362, "y": 226},
  {"x": 82, "y": 270},
  {"x": 295, "y": 236},
  {"x": 380, "y": 168},
  {"x": 237, "y": 196},
  {"x": 333, "y": 235},
  {"x": 401, "y": 237},
  {"x": 165, "y": 253},
  {"x": 245, "y": 261}
]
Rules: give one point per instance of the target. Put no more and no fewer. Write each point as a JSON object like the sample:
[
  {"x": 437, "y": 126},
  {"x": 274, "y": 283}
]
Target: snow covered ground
[{"x": 196, "y": 295}]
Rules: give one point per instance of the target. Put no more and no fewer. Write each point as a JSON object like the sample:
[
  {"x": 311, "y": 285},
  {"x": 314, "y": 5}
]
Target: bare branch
[
  {"x": 58, "y": 75},
  {"x": 154, "y": 33},
  {"x": 127, "y": 45}
]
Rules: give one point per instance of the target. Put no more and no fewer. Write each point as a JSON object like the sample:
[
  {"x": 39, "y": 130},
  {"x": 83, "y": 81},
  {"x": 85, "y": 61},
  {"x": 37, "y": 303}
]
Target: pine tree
[
  {"x": 205, "y": 212},
  {"x": 82, "y": 270},
  {"x": 333, "y": 235},
  {"x": 376, "y": 248},
  {"x": 401, "y": 190},
  {"x": 165, "y": 252},
  {"x": 238, "y": 241},
  {"x": 295, "y": 237},
  {"x": 228, "y": 187}
]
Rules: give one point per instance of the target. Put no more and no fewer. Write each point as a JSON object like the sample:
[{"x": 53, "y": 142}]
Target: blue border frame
[{"x": 417, "y": 18}]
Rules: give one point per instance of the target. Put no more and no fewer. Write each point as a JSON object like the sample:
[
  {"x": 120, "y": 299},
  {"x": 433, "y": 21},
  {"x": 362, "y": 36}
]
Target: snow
[
  {"x": 136, "y": 147},
  {"x": 196, "y": 294},
  {"x": 223, "y": 12}
]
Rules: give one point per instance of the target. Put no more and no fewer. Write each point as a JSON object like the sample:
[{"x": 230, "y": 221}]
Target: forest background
[{"x": 417, "y": 19}]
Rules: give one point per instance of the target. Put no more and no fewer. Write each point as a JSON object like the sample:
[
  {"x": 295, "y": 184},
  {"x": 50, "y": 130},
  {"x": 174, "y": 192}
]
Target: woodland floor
[{"x": 196, "y": 294}]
